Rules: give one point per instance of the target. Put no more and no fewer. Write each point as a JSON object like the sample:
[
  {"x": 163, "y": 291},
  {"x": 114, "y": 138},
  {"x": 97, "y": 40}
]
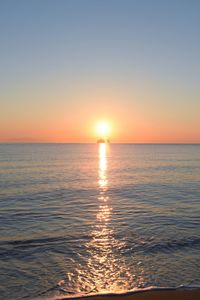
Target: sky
[{"x": 65, "y": 65}]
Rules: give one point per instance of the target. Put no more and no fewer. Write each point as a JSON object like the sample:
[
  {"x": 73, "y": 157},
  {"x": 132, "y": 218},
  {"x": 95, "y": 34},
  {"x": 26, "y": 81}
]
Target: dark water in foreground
[{"x": 86, "y": 218}]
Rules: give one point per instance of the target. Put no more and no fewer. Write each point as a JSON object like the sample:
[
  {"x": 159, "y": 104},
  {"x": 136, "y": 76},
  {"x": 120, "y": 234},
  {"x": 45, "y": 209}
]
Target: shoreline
[{"x": 150, "y": 293}]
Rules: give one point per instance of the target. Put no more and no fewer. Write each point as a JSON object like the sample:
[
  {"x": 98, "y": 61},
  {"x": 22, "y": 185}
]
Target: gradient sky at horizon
[{"x": 65, "y": 65}]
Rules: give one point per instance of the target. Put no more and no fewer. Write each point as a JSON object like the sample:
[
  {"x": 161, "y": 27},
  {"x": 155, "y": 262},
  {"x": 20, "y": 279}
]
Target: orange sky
[
  {"x": 132, "y": 118},
  {"x": 152, "y": 115}
]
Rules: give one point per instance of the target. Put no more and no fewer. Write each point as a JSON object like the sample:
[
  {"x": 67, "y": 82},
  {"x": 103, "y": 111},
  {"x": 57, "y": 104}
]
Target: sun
[{"x": 103, "y": 129}]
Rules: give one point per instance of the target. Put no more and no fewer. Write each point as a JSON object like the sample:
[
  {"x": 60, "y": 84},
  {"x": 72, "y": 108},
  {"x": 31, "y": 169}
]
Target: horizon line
[{"x": 126, "y": 143}]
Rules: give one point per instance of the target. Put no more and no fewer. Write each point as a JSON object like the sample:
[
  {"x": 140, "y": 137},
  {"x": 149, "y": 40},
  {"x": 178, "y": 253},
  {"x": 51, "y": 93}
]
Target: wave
[
  {"x": 15, "y": 247},
  {"x": 171, "y": 245}
]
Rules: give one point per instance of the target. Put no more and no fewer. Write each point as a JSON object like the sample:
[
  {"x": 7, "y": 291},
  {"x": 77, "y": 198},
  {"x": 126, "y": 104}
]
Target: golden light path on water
[
  {"x": 101, "y": 267},
  {"x": 106, "y": 269}
]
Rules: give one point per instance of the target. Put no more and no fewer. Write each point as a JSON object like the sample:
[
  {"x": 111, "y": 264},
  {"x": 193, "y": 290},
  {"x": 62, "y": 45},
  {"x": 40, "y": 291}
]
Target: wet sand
[{"x": 157, "y": 294}]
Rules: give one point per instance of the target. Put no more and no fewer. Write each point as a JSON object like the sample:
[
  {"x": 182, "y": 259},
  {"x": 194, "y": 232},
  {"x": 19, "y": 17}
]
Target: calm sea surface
[{"x": 94, "y": 218}]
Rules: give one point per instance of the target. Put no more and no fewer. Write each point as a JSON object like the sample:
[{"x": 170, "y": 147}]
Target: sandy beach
[{"x": 151, "y": 294}]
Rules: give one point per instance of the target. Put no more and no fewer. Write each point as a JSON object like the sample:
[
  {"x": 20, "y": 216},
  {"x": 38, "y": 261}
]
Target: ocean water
[{"x": 84, "y": 218}]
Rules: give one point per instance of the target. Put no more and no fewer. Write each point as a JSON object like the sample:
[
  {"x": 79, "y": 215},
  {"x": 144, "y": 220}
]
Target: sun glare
[{"x": 103, "y": 129}]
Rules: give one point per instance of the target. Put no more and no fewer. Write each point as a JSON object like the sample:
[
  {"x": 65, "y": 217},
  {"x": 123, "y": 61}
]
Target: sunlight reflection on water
[
  {"x": 105, "y": 268},
  {"x": 102, "y": 269},
  {"x": 103, "y": 181}
]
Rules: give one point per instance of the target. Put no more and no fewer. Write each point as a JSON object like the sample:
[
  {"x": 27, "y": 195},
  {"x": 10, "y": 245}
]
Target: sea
[{"x": 79, "y": 219}]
